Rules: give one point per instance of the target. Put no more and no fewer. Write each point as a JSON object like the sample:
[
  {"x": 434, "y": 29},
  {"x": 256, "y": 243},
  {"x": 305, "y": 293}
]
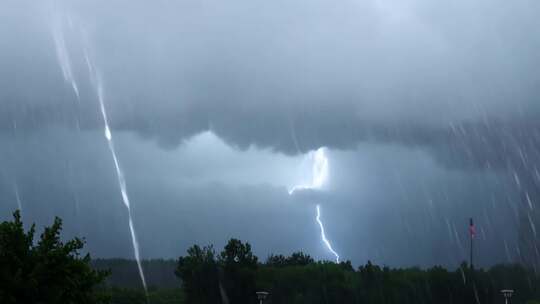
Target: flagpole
[{"x": 471, "y": 235}]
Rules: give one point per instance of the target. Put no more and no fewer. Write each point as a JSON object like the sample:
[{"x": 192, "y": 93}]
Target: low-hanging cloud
[{"x": 289, "y": 76}]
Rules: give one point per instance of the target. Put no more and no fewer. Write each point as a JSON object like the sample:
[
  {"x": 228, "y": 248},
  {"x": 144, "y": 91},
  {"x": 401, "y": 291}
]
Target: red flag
[{"x": 472, "y": 229}]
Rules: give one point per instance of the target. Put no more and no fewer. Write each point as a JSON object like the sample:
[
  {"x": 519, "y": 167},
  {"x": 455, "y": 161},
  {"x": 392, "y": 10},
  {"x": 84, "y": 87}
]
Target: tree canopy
[
  {"x": 235, "y": 275},
  {"x": 47, "y": 270}
]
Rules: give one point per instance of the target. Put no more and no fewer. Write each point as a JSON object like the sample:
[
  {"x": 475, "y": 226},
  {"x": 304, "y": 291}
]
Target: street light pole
[
  {"x": 507, "y": 293},
  {"x": 472, "y": 232},
  {"x": 261, "y": 296}
]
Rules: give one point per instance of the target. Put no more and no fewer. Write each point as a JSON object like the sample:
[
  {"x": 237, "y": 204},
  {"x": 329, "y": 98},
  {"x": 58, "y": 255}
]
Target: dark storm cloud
[
  {"x": 380, "y": 199},
  {"x": 458, "y": 81},
  {"x": 293, "y": 76}
]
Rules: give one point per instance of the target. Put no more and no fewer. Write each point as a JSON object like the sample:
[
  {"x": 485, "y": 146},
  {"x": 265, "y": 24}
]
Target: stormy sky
[{"x": 429, "y": 113}]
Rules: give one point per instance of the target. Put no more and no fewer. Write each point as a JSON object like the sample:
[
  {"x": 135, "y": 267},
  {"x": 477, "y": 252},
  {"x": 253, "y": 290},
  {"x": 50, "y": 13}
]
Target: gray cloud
[
  {"x": 291, "y": 76},
  {"x": 457, "y": 81},
  {"x": 380, "y": 199}
]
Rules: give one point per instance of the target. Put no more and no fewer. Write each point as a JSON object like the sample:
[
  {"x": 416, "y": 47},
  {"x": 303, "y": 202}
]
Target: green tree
[
  {"x": 50, "y": 271},
  {"x": 299, "y": 259},
  {"x": 239, "y": 267},
  {"x": 199, "y": 274},
  {"x": 296, "y": 259},
  {"x": 236, "y": 254},
  {"x": 276, "y": 260},
  {"x": 299, "y": 280}
]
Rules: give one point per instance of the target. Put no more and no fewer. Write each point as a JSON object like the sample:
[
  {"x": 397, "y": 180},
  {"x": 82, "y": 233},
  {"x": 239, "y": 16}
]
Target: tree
[
  {"x": 199, "y": 274},
  {"x": 236, "y": 254},
  {"x": 276, "y": 260},
  {"x": 297, "y": 279},
  {"x": 239, "y": 267},
  {"x": 47, "y": 272},
  {"x": 296, "y": 259},
  {"x": 300, "y": 259}
]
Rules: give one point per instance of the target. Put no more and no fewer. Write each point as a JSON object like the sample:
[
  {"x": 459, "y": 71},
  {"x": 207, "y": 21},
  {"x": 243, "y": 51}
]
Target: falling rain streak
[
  {"x": 95, "y": 77},
  {"x": 121, "y": 182},
  {"x": 63, "y": 54},
  {"x": 412, "y": 160},
  {"x": 17, "y": 197}
]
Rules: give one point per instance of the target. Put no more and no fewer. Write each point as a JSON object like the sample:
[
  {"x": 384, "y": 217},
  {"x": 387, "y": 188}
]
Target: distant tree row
[
  {"x": 124, "y": 273},
  {"x": 49, "y": 270},
  {"x": 235, "y": 274}
]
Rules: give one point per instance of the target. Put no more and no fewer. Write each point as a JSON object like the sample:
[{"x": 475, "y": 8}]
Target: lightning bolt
[
  {"x": 323, "y": 235},
  {"x": 318, "y": 179}
]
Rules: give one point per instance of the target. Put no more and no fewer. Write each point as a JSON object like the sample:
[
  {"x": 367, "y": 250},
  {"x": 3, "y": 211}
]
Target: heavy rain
[{"x": 338, "y": 152}]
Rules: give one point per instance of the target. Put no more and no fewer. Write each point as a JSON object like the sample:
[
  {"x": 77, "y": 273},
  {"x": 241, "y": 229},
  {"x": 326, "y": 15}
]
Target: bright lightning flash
[
  {"x": 318, "y": 179},
  {"x": 323, "y": 235},
  {"x": 319, "y": 173}
]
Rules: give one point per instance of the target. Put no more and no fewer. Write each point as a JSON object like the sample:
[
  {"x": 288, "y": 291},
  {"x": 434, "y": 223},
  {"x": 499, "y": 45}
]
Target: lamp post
[
  {"x": 261, "y": 296},
  {"x": 507, "y": 293}
]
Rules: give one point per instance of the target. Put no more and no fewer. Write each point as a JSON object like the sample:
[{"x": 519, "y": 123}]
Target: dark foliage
[
  {"x": 49, "y": 271},
  {"x": 137, "y": 295},
  {"x": 239, "y": 271},
  {"x": 199, "y": 274},
  {"x": 296, "y": 259},
  {"x": 298, "y": 279},
  {"x": 159, "y": 273}
]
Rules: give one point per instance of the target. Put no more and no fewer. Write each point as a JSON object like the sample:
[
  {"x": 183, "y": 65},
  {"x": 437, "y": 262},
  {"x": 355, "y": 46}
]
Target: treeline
[
  {"x": 235, "y": 274},
  {"x": 159, "y": 273},
  {"x": 49, "y": 270},
  {"x": 124, "y": 286}
]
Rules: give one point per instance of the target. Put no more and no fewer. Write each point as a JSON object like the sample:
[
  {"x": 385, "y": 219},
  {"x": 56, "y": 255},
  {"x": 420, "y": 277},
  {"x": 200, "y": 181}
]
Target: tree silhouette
[
  {"x": 239, "y": 267},
  {"x": 47, "y": 272},
  {"x": 199, "y": 274},
  {"x": 298, "y": 279}
]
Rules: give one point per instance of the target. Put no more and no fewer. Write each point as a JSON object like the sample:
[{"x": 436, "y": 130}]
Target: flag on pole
[{"x": 472, "y": 229}]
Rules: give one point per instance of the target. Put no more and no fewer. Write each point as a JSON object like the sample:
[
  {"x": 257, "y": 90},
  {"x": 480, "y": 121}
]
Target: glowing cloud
[
  {"x": 319, "y": 177},
  {"x": 319, "y": 174}
]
